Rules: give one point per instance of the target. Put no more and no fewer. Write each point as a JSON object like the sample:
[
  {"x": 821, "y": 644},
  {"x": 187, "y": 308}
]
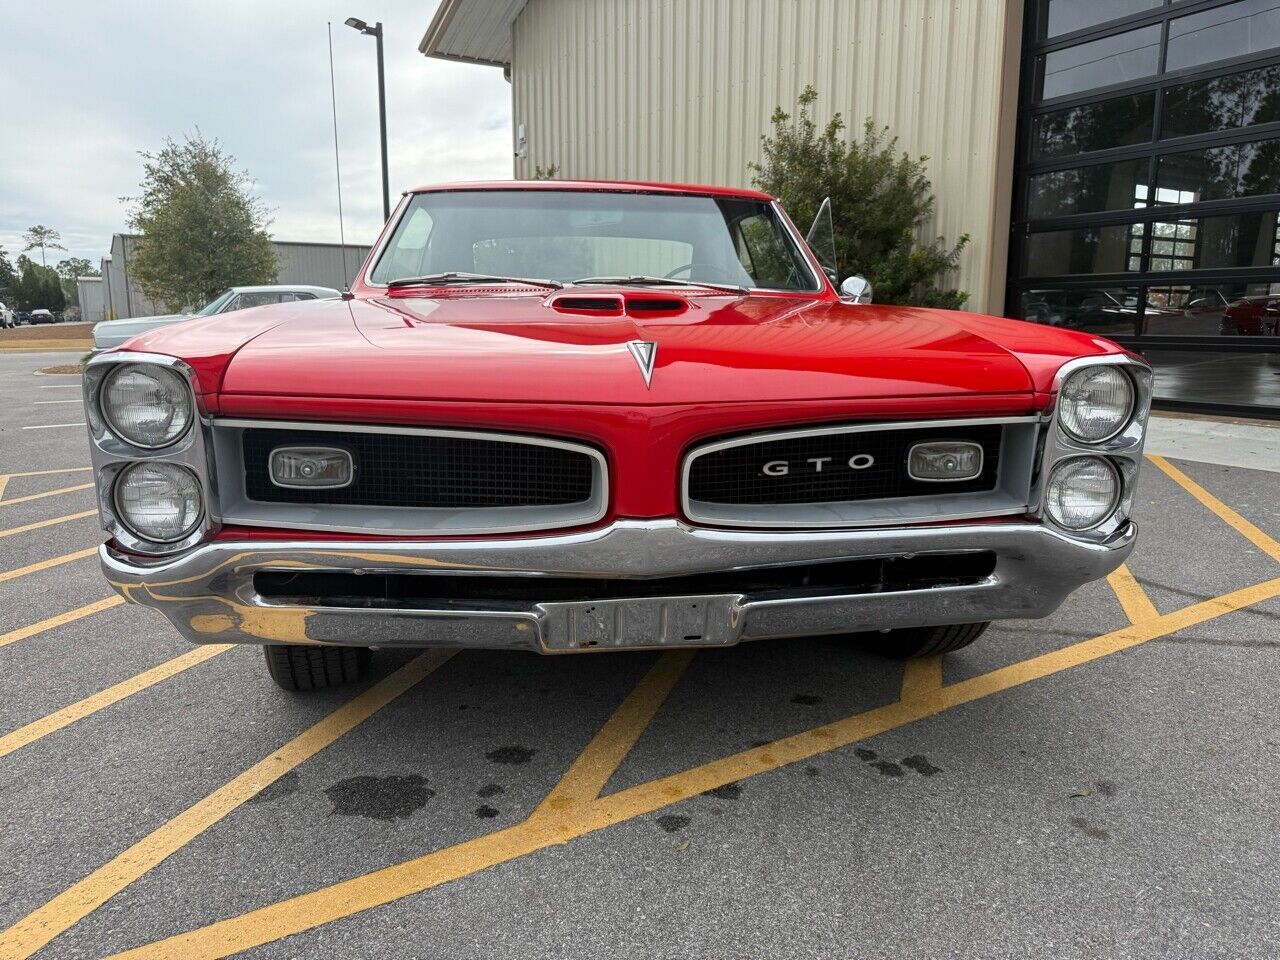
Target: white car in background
[
  {"x": 8, "y": 319},
  {"x": 109, "y": 334}
]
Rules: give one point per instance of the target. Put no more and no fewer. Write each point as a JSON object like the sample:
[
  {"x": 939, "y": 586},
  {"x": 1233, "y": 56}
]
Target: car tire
[
  {"x": 912, "y": 642},
  {"x": 299, "y": 668}
]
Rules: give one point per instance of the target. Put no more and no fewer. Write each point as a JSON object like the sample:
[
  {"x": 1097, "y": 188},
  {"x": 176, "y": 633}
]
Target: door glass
[
  {"x": 1112, "y": 311},
  {"x": 1219, "y": 173},
  {"x": 1068, "y": 15},
  {"x": 1099, "y": 63},
  {"x": 1222, "y": 103},
  {"x": 1103, "y": 186},
  {"x": 822, "y": 241},
  {"x": 1213, "y": 310},
  {"x": 1249, "y": 26},
  {"x": 1087, "y": 250}
]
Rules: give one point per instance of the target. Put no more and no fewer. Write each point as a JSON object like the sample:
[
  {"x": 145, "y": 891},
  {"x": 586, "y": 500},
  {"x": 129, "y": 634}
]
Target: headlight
[
  {"x": 1096, "y": 403},
  {"x": 1082, "y": 492},
  {"x": 146, "y": 405},
  {"x": 159, "y": 501}
]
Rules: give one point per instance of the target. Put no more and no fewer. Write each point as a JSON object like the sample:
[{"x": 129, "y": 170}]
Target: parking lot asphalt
[{"x": 1105, "y": 782}]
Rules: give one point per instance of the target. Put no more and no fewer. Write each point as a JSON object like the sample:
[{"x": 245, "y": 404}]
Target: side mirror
[{"x": 856, "y": 289}]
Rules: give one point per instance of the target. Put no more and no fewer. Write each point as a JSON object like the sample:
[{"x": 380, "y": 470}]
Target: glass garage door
[{"x": 1147, "y": 196}]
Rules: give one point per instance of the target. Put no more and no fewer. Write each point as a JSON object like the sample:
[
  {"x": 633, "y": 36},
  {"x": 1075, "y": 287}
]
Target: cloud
[{"x": 255, "y": 76}]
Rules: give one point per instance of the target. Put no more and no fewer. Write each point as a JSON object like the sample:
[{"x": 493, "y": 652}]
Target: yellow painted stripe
[
  {"x": 4, "y": 482},
  {"x": 592, "y": 769},
  {"x": 297, "y": 914},
  {"x": 13, "y": 636},
  {"x": 1133, "y": 599},
  {"x": 1242, "y": 526},
  {"x": 47, "y": 493},
  {"x": 37, "y": 729},
  {"x": 43, "y": 346},
  {"x": 27, "y": 528},
  {"x": 46, "y": 564},
  {"x": 65, "y": 910},
  {"x": 921, "y": 678},
  {"x": 48, "y": 473}
]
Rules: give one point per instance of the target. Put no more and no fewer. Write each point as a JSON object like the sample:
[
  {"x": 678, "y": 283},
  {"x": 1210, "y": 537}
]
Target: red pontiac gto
[{"x": 565, "y": 416}]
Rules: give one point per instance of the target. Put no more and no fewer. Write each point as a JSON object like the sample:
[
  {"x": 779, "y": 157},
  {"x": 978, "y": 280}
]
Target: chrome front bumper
[{"x": 209, "y": 593}]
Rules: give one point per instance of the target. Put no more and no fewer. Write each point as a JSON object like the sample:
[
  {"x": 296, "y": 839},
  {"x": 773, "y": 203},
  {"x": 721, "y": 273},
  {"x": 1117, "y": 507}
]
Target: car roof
[
  {"x": 597, "y": 186},
  {"x": 286, "y": 287}
]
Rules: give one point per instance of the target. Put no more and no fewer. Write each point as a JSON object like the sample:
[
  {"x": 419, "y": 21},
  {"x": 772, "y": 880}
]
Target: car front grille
[
  {"x": 427, "y": 470},
  {"x": 817, "y": 469}
]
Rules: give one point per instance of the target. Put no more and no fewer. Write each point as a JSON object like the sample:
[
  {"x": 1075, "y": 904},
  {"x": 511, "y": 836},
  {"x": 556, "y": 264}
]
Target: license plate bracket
[{"x": 642, "y": 623}]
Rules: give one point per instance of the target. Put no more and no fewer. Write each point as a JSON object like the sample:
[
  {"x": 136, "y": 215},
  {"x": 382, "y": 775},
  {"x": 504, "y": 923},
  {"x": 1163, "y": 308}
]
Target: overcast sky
[{"x": 88, "y": 84}]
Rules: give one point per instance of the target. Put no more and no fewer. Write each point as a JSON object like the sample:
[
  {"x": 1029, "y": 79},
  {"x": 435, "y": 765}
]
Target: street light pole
[{"x": 375, "y": 31}]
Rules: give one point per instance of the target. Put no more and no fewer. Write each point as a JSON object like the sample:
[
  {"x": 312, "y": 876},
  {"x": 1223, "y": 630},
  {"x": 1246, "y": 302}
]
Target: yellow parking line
[
  {"x": 41, "y": 496},
  {"x": 46, "y": 473},
  {"x": 1242, "y": 526},
  {"x": 37, "y": 729},
  {"x": 4, "y": 482},
  {"x": 589, "y": 773},
  {"x": 46, "y": 564},
  {"x": 921, "y": 678},
  {"x": 327, "y": 904},
  {"x": 27, "y": 528},
  {"x": 1133, "y": 599},
  {"x": 62, "y": 912},
  {"x": 13, "y": 636}
]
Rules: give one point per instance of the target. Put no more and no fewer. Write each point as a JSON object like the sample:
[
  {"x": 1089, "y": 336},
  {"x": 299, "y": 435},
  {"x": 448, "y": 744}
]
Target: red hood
[
  {"x": 723, "y": 349},
  {"x": 516, "y": 348}
]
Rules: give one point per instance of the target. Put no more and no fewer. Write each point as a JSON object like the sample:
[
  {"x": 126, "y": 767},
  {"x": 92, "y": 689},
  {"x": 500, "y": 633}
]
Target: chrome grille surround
[
  {"x": 237, "y": 507},
  {"x": 1011, "y": 496}
]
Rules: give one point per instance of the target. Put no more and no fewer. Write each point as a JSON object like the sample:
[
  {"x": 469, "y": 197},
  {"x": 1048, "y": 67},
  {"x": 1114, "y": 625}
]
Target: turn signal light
[
  {"x": 311, "y": 467},
  {"x": 941, "y": 460}
]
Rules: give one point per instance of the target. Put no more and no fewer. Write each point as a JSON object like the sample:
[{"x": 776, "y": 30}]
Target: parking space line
[
  {"x": 45, "y": 403},
  {"x": 69, "y": 907},
  {"x": 921, "y": 678},
  {"x": 1133, "y": 599},
  {"x": 54, "y": 426},
  {"x": 40, "y": 496},
  {"x": 38, "y": 729},
  {"x": 1242, "y": 526},
  {"x": 46, "y": 473},
  {"x": 46, "y": 564},
  {"x": 13, "y": 636},
  {"x": 27, "y": 528},
  {"x": 285, "y": 918},
  {"x": 588, "y": 774},
  {"x": 4, "y": 482}
]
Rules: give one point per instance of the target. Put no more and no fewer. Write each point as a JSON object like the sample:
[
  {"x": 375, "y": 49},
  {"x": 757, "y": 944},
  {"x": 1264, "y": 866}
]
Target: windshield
[
  {"x": 216, "y": 304},
  {"x": 574, "y": 235}
]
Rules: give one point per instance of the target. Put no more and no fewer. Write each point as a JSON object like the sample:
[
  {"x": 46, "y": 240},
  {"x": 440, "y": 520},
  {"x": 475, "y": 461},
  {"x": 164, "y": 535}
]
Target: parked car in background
[
  {"x": 42, "y": 316},
  {"x": 566, "y": 416},
  {"x": 112, "y": 333},
  {"x": 1253, "y": 317},
  {"x": 8, "y": 319}
]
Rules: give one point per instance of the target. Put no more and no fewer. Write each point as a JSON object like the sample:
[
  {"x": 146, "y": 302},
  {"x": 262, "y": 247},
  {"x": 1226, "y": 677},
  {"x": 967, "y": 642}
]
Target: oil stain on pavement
[{"x": 379, "y": 798}]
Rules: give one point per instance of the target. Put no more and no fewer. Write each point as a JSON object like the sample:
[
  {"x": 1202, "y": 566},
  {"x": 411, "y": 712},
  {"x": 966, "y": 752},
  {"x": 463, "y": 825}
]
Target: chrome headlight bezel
[{"x": 1064, "y": 401}]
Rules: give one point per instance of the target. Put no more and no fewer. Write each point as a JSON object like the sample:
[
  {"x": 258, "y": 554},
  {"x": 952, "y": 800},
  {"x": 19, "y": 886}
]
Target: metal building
[
  {"x": 91, "y": 293},
  {"x": 1115, "y": 162},
  {"x": 319, "y": 264}
]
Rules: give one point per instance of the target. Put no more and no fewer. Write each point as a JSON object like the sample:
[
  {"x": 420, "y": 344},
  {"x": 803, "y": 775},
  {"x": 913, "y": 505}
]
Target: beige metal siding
[{"x": 681, "y": 90}]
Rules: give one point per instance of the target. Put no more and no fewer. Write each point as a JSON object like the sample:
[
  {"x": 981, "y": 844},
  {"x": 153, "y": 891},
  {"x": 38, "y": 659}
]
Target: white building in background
[
  {"x": 317, "y": 264},
  {"x": 91, "y": 293}
]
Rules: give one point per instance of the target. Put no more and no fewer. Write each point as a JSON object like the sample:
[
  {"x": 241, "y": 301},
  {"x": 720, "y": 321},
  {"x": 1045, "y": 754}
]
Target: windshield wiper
[
  {"x": 644, "y": 281},
  {"x": 449, "y": 279}
]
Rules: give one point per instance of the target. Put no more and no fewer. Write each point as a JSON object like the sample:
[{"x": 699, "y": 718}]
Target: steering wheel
[{"x": 713, "y": 270}]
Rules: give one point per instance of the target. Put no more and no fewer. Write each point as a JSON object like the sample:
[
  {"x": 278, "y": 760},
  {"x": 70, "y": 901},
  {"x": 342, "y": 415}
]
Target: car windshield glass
[
  {"x": 216, "y": 304},
  {"x": 573, "y": 235}
]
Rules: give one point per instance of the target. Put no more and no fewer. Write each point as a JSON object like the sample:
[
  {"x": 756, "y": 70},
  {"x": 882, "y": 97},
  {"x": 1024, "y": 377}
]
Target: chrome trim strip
[
  {"x": 209, "y": 594},
  {"x": 827, "y": 515},
  {"x": 236, "y": 508}
]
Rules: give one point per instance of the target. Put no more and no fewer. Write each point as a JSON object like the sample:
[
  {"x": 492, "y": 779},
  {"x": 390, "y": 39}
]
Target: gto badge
[
  {"x": 645, "y": 354},
  {"x": 780, "y": 468}
]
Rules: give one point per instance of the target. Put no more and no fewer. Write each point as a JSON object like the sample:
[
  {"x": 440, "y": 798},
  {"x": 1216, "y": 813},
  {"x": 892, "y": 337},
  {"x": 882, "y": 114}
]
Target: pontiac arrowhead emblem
[{"x": 645, "y": 354}]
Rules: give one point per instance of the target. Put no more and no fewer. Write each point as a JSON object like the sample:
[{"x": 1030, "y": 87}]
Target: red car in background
[
  {"x": 585, "y": 416},
  {"x": 1253, "y": 316}
]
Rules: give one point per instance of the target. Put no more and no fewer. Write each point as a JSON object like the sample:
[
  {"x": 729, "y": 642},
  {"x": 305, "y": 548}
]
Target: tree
[
  {"x": 71, "y": 270},
  {"x": 202, "y": 230},
  {"x": 881, "y": 201},
  {"x": 8, "y": 277},
  {"x": 42, "y": 238},
  {"x": 38, "y": 287}
]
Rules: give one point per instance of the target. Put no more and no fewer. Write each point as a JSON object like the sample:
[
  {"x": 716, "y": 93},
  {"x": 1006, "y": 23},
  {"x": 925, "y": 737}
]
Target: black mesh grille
[
  {"x": 413, "y": 470},
  {"x": 736, "y": 475}
]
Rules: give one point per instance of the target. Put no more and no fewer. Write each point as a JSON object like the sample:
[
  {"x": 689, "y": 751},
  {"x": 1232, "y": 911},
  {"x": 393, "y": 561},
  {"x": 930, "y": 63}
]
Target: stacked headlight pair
[
  {"x": 1094, "y": 405},
  {"x": 150, "y": 406}
]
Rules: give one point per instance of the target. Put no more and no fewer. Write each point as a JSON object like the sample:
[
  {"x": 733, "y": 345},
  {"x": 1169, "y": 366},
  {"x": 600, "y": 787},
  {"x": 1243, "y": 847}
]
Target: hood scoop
[{"x": 615, "y": 305}]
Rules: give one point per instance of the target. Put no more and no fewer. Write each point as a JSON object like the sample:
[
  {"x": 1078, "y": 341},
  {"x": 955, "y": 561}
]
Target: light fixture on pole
[{"x": 376, "y": 32}]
